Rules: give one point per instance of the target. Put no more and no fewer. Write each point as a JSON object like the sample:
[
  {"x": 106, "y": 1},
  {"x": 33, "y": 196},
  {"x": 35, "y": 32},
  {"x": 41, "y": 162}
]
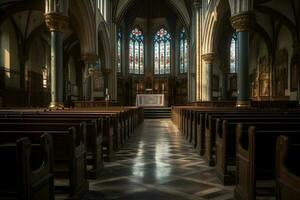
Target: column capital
[
  {"x": 56, "y": 22},
  {"x": 208, "y": 57},
  {"x": 243, "y": 22},
  {"x": 197, "y": 3},
  {"x": 90, "y": 58},
  {"x": 91, "y": 71}
]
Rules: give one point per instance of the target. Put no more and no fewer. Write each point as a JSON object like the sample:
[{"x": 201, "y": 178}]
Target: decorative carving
[
  {"x": 261, "y": 79},
  {"x": 264, "y": 76},
  {"x": 295, "y": 64},
  {"x": 99, "y": 83},
  {"x": 281, "y": 72},
  {"x": 56, "y": 22},
  {"x": 106, "y": 71},
  {"x": 232, "y": 82},
  {"x": 208, "y": 58},
  {"x": 242, "y": 22},
  {"x": 90, "y": 58},
  {"x": 197, "y": 3}
]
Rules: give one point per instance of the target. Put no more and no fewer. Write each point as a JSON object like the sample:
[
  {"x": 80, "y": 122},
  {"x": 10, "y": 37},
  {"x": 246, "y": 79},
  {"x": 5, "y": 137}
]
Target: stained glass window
[
  {"x": 136, "y": 52},
  {"x": 162, "y": 52},
  {"x": 119, "y": 43},
  {"x": 234, "y": 54},
  {"x": 183, "y": 64}
]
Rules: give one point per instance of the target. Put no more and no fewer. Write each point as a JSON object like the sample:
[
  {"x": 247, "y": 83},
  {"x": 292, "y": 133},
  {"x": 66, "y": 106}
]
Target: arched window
[
  {"x": 184, "y": 61},
  {"x": 162, "y": 52},
  {"x": 136, "y": 52},
  {"x": 234, "y": 53},
  {"x": 119, "y": 46}
]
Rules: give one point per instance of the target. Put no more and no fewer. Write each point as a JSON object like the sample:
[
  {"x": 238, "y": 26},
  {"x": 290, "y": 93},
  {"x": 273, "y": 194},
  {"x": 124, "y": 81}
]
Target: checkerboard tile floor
[{"x": 157, "y": 163}]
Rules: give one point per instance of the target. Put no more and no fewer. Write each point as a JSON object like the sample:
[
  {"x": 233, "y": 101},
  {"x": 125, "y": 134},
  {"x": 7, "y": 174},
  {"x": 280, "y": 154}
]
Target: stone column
[
  {"x": 242, "y": 23},
  {"x": 57, "y": 23},
  {"x": 197, "y": 4},
  {"x": 88, "y": 76},
  {"x": 208, "y": 59}
]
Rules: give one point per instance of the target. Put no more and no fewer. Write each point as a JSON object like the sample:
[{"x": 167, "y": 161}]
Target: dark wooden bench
[
  {"x": 26, "y": 169},
  {"x": 69, "y": 151},
  {"x": 226, "y": 142},
  {"x": 108, "y": 133},
  {"x": 94, "y": 137},
  {"x": 210, "y": 127},
  {"x": 287, "y": 169},
  {"x": 255, "y": 158}
]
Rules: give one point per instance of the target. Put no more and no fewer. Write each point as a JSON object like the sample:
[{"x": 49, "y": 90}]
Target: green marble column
[
  {"x": 57, "y": 24},
  {"x": 242, "y": 23},
  {"x": 243, "y": 94}
]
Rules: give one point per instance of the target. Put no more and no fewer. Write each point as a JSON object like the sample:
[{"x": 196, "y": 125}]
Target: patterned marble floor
[{"x": 158, "y": 164}]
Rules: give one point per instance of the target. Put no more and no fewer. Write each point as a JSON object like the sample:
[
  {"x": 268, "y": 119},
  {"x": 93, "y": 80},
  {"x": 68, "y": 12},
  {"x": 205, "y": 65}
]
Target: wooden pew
[
  {"x": 210, "y": 127},
  {"x": 27, "y": 169},
  {"x": 226, "y": 142},
  {"x": 69, "y": 151},
  {"x": 287, "y": 169},
  {"x": 108, "y": 126},
  {"x": 94, "y": 138},
  {"x": 255, "y": 157}
]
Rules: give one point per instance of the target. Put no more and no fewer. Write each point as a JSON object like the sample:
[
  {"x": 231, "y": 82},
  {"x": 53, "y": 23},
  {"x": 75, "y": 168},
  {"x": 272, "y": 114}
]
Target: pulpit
[{"x": 150, "y": 100}]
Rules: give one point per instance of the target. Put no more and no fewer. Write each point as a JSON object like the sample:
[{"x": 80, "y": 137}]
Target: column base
[
  {"x": 56, "y": 106},
  {"x": 243, "y": 104}
]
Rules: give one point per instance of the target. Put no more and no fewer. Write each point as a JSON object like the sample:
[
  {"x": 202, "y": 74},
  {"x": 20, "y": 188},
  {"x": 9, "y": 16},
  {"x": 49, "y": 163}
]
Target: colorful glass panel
[
  {"x": 233, "y": 54},
  {"x": 136, "y": 52},
  {"x": 162, "y": 52},
  {"x": 131, "y": 54},
  {"x": 183, "y": 65},
  {"x": 156, "y": 58},
  {"x": 119, "y": 52}
]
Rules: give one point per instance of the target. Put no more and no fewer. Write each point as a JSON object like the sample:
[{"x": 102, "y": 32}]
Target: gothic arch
[
  {"x": 104, "y": 40},
  {"x": 179, "y": 6},
  {"x": 83, "y": 13}
]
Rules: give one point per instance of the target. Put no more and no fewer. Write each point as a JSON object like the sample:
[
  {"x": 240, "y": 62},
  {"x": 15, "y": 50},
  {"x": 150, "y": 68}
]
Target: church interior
[{"x": 150, "y": 99}]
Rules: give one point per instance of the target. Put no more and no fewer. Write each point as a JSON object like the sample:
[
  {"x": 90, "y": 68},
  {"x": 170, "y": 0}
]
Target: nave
[{"x": 158, "y": 163}]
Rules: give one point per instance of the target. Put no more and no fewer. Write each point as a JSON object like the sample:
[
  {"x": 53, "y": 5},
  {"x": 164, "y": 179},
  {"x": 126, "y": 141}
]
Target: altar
[{"x": 150, "y": 100}]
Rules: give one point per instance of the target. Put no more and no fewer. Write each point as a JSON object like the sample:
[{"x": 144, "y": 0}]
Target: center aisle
[{"x": 157, "y": 163}]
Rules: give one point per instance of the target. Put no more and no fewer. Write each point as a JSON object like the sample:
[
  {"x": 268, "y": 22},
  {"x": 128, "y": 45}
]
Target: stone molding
[
  {"x": 243, "y": 22},
  {"x": 90, "y": 58},
  {"x": 208, "y": 57},
  {"x": 197, "y": 3},
  {"x": 56, "y": 22}
]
